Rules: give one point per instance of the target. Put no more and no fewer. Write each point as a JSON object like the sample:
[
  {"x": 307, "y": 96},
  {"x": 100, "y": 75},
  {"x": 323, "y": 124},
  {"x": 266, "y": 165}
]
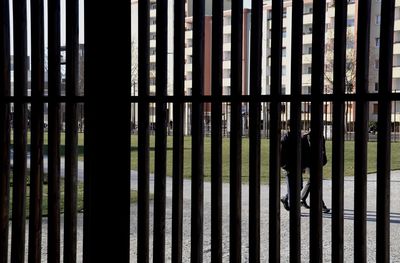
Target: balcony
[
  {"x": 396, "y": 48},
  {"x": 306, "y": 79},
  {"x": 189, "y": 34},
  {"x": 396, "y": 72},
  {"x": 227, "y": 29},
  {"x": 227, "y": 47},
  {"x": 307, "y": 39},
  {"x": 188, "y": 67},
  {"x": 226, "y": 64},
  {"x": 307, "y": 19},
  {"x": 226, "y": 82}
]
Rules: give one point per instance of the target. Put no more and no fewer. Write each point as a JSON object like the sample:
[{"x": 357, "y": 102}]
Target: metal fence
[{"x": 107, "y": 93}]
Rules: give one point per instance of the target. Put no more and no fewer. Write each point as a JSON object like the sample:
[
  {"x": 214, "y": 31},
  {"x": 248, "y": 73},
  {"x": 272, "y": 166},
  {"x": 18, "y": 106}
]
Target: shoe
[
  {"x": 304, "y": 204},
  {"x": 325, "y": 210},
  {"x": 285, "y": 204}
]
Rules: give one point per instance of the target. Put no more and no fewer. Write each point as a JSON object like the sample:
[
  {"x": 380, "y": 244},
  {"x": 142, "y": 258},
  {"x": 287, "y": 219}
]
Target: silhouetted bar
[
  {"x": 317, "y": 87},
  {"x": 160, "y": 158},
  {"x": 107, "y": 147},
  {"x": 275, "y": 133},
  {"x": 295, "y": 119},
  {"x": 216, "y": 132},
  {"x": 179, "y": 92},
  {"x": 71, "y": 134},
  {"x": 54, "y": 87},
  {"x": 361, "y": 132},
  {"x": 20, "y": 133},
  {"x": 36, "y": 124},
  {"x": 339, "y": 78},
  {"x": 235, "y": 164},
  {"x": 197, "y": 133},
  {"x": 384, "y": 133},
  {"x": 254, "y": 131},
  {"x": 5, "y": 128},
  {"x": 143, "y": 132}
]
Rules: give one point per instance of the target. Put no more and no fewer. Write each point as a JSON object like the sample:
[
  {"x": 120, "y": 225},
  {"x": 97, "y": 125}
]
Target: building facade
[{"x": 286, "y": 61}]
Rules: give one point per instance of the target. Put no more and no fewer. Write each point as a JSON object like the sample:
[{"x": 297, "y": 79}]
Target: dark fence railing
[{"x": 27, "y": 106}]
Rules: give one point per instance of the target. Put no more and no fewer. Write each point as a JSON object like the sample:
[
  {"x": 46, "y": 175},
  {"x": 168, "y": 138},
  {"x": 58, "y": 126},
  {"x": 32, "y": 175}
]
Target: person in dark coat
[{"x": 288, "y": 164}]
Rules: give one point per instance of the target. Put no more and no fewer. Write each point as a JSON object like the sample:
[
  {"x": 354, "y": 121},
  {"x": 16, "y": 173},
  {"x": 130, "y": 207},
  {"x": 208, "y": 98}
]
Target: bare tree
[
  {"x": 350, "y": 72},
  {"x": 134, "y": 64}
]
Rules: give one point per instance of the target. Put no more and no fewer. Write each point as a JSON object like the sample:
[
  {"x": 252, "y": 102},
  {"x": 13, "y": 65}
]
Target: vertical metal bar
[
  {"x": 197, "y": 132},
  {"x": 275, "y": 135},
  {"x": 361, "y": 132},
  {"x": 54, "y": 86},
  {"x": 384, "y": 133},
  {"x": 235, "y": 164},
  {"x": 161, "y": 133},
  {"x": 71, "y": 134},
  {"x": 179, "y": 92},
  {"x": 107, "y": 147},
  {"x": 295, "y": 129},
  {"x": 216, "y": 132},
  {"x": 20, "y": 133},
  {"x": 143, "y": 133},
  {"x": 339, "y": 77},
  {"x": 36, "y": 124},
  {"x": 254, "y": 132},
  {"x": 5, "y": 127},
  {"x": 317, "y": 87}
]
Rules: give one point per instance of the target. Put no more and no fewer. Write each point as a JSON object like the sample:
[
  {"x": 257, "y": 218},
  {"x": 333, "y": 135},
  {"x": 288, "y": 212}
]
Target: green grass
[
  {"x": 348, "y": 156},
  {"x": 45, "y": 207}
]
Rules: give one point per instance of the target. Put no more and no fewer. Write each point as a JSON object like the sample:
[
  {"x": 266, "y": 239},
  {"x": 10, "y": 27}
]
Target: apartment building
[
  {"x": 286, "y": 59},
  {"x": 350, "y": 56},
  {"x": 152, "y": 59},
  {"x": 226, "y": 75}
]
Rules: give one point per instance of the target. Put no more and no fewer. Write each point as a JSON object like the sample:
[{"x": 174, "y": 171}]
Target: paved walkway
[{"x": 348, "y": 227}]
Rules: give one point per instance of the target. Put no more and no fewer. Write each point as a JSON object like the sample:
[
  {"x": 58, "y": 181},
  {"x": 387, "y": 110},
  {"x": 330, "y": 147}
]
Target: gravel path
[
  {"x": 348, "y": 222},
  {"x": 348, "y": 227}
]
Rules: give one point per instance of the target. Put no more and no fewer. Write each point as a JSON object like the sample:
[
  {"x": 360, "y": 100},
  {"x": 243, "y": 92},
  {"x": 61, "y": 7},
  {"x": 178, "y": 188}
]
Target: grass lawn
[
  {"x": 348, "y": 156},
  {"x": 62, "y": 195}
]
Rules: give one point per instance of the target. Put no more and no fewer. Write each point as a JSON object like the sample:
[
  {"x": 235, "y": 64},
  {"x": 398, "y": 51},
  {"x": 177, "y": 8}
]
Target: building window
[
  {"x": 396, "y": 36},
  {"x": 350, "y": 22},
  {"x": 377, "y": 42},
  {"x": 378, "y": 20},
  {"x": 375, "y": 108},
  {"x": 397, "y": 13},
  {"x": 306, "y": 89},
  {"x": 284, "y": 52},
  {"x": 283, "y": 70},
  {"x": 283, "y": 32},
  {"x": 377, "y": 64},
  {"x": 376, "y": 86},
  {"x": 350, "y": 44}
]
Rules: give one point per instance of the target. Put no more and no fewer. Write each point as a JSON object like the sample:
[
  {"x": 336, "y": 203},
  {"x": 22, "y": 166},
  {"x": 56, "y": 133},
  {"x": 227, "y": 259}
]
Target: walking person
[
  {"x": 306, "y": 189},
  {"x": 288, "y": 164}
]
